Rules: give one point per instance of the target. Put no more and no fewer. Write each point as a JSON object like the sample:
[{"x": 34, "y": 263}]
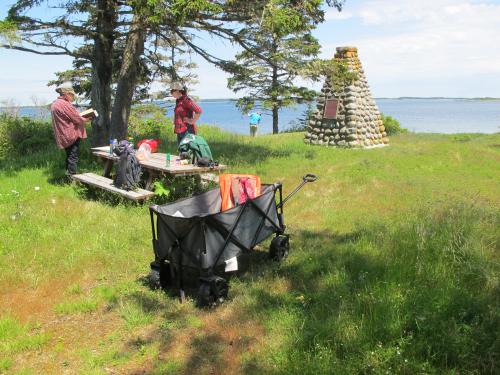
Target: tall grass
[
  {"x": 417, "y": 296},
  {"x": 394, "y": 267}
]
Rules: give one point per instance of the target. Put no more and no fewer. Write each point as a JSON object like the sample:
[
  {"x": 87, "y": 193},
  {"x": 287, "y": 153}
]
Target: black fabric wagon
[{"x": 194, "y": 233}]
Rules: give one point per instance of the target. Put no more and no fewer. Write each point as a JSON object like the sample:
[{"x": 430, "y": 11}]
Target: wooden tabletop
[{"x": 157, "y": 162}]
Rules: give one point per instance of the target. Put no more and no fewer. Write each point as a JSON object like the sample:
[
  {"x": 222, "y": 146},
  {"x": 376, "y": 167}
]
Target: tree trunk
[
  {"x": 102, "y": 71},
  {"x": 275, "y": 120},
  {"x": 275, "y": 100},
  {"x": 127, "y": 78}
]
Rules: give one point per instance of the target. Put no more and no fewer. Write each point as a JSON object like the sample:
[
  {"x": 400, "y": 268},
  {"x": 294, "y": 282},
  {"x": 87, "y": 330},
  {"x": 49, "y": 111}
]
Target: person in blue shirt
[{"x": 255, "y": 118}]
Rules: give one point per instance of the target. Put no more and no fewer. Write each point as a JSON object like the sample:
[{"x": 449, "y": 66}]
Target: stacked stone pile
[{"x": 358, "y": 122}]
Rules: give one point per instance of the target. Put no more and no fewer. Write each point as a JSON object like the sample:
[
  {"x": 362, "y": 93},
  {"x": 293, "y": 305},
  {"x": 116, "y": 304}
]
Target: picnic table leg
[
  {"x": 108, "y": 167},
  {"x": 149, "y": 181}
]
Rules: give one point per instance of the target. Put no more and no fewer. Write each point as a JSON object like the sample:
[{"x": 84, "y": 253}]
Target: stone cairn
[{"x": 358, "y": 122}]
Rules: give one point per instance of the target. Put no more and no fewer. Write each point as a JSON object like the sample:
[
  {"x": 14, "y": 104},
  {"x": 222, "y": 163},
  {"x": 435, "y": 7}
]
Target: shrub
[
  {"x": 148, "y": 121},
  {"x": 22, "y": 134},
  {"x": 300, "y": 125},
  {"x": 170, "y": 189},
  {"x": 392, "y": 126}
]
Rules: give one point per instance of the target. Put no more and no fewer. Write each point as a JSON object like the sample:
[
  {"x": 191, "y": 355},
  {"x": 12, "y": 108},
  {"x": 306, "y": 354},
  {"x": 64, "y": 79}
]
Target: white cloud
[
  {"x": 428, "y": 40},
  {"x": 406, "y": 47},
  {"x": 212, "y": 83},
  {"x": 334, "y": 14}
]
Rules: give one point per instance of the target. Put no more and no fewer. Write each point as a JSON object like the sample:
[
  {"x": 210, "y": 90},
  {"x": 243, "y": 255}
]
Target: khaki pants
[{"x": 253, "y": 130}]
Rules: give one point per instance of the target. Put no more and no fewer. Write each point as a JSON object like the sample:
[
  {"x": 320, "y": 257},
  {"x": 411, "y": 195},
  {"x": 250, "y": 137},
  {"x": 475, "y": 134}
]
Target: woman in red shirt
[{"x": 186, "y": 112}]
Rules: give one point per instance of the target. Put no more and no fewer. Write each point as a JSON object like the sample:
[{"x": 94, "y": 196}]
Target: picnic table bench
[{"x": 154, "y": 166}]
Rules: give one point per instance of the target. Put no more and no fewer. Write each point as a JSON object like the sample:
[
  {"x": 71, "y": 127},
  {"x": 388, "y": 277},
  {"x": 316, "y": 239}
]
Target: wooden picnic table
[{"x": 155, "y": 166}]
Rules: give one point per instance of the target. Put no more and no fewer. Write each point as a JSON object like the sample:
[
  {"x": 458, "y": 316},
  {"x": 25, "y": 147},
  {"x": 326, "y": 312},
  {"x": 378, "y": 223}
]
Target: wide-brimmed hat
[
  {"x": 65, "y": 88},
  {"x": 177, "y": 86}
]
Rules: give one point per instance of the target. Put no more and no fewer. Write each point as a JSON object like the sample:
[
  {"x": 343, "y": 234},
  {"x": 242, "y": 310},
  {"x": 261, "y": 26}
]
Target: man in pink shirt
[{"x": 69, "y": 126}]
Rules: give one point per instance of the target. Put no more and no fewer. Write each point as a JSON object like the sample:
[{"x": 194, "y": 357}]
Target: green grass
[
  {"x": 394, "y": 267},
  {"x": 16, "y": 338}
]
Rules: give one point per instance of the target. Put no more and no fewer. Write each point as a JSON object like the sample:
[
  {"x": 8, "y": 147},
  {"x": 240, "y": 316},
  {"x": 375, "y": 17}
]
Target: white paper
[
  {"x": 231, "y": 264},
  {"x": 178, "y": 214}
]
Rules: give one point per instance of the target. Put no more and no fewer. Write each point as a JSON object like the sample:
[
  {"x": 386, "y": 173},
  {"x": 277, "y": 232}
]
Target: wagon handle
[
  {"x": 305, "y": 179},
  {"x": 309, "y": 177}
]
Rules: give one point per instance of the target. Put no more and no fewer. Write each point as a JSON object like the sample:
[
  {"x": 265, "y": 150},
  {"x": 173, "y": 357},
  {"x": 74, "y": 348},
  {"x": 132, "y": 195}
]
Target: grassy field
[{"x": 394, "y": 268}]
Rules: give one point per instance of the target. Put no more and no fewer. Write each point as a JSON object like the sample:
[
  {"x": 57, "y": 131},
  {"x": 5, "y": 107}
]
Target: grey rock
[{"x": 351, "y": 137}]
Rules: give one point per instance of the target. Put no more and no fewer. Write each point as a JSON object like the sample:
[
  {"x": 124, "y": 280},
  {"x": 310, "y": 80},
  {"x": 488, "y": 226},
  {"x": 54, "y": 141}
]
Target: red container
[{"x": 153, "y": 143}]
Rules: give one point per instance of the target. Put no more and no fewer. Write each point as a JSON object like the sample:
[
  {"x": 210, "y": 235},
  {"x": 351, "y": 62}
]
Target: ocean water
[{"x": 418, "y": 115}]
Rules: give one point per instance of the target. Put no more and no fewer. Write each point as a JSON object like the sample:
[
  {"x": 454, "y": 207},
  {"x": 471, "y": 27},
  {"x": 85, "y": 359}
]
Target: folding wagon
[{"x": 195, "y": 233}]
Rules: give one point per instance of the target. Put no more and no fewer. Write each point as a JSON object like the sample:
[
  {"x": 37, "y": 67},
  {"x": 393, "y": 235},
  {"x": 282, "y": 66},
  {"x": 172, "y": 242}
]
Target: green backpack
[{"x": 196, "y": 147}]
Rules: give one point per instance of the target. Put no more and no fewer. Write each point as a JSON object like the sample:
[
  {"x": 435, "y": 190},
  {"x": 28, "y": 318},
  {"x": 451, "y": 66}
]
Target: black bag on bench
[{"x": 128, "y": 172}]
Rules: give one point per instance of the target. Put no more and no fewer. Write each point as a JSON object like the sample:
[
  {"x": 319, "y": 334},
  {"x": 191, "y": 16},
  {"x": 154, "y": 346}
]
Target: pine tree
[
  {"x": 282, "y": 45},
  {"x": 112, "y": 39}
]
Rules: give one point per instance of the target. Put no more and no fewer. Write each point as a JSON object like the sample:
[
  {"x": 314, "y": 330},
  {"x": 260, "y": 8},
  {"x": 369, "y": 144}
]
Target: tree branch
[{"x": 18, "y": 48}]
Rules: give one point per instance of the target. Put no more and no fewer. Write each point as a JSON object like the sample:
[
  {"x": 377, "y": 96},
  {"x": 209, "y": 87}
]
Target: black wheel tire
[
  {"x": 159, "y": 277},
  {"x": 154, "y": 279},
  {"x": 221, "y": 290},
  {"x": 213, "y": 292},
  {"x": 165, "y": 276},
  {"x": 205, "y": 297},
  {"x": 279, "y": 248}
]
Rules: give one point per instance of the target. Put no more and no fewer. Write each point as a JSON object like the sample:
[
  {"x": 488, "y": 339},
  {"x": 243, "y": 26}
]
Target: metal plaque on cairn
[{"x": 331, "y": 106}]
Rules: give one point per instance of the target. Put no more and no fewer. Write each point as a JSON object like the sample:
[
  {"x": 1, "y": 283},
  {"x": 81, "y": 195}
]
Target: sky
[{"x": 407, "y": 48}]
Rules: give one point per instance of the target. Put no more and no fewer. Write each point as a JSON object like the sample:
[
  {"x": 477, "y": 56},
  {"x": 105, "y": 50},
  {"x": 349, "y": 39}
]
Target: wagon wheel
[
  {"x": 212, "y": 292},
  {"x": 160, "y": 275},
  {"x": 279, "y": 248},
  {"x": 165, "y": 275},
  {"x": 154, "y": 279}
]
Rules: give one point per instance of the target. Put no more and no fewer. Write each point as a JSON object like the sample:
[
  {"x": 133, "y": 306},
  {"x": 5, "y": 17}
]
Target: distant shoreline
[
  {"x": 479, "y": 99},
  {"x": 486, "y": 98}
]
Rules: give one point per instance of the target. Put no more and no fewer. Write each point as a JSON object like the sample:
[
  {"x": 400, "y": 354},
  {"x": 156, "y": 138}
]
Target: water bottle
[
  {"x": 111, "y": 143},
  {"x": 168, "y": 159}
]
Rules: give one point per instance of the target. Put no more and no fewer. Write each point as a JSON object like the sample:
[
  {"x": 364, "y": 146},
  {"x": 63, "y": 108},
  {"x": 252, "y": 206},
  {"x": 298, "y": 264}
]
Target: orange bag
[{"x": 236, "y": 189}]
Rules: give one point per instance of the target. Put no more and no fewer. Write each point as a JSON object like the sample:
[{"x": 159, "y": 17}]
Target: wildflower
[{"x": 37, "y": 188}]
